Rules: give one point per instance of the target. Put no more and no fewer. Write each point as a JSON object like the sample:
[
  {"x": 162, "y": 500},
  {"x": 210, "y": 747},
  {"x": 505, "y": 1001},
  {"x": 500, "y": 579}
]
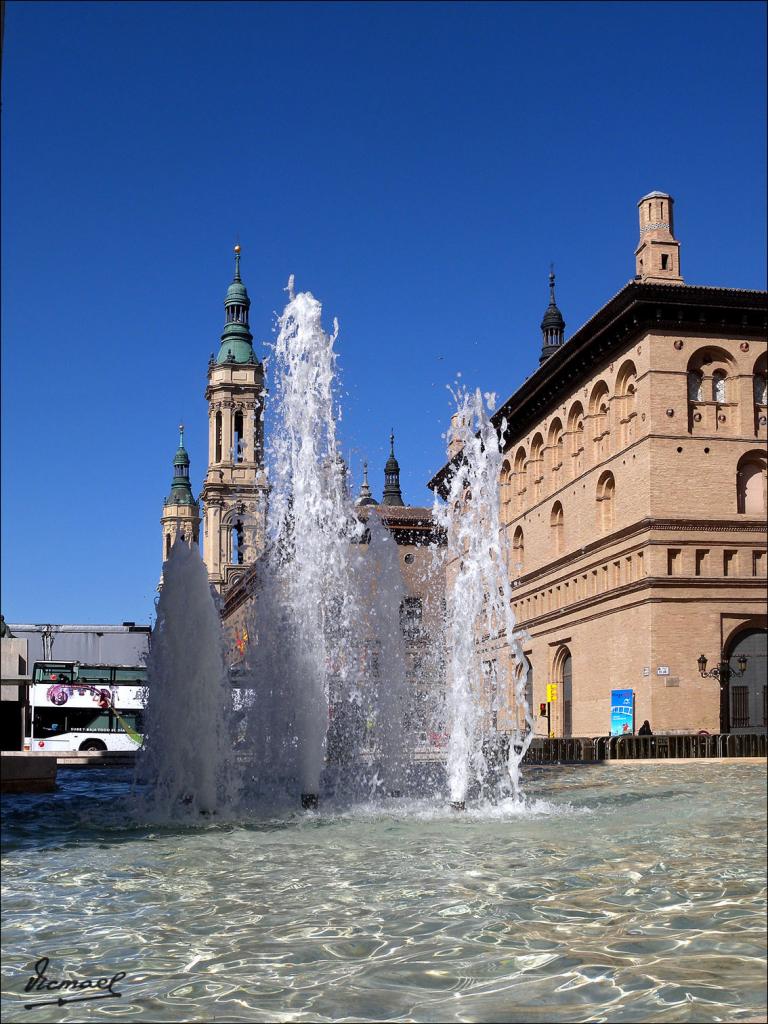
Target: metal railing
[{"x": 584, "y": 749}]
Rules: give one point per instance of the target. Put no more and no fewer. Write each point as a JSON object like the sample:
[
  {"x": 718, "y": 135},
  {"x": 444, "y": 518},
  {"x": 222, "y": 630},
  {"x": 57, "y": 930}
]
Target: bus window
[
  {"x": 52, "y": 673},
  {"x": 137, "y": 675},
  {"x": 133, "y": 719},
  {"x": 85, "y": 720},
  {"x": 48, "y": 722},
  {"x": 94, "y": 674}
]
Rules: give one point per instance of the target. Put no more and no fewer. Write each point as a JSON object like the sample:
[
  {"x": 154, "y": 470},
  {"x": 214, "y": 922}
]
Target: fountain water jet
[
  {"x": 326, "y": 662},
  {"x": 479, "y": 609},
  {"x": 187, "y": 755},
  {"x": 386, "y": 593},
  {"x": 305, "y": 605}
]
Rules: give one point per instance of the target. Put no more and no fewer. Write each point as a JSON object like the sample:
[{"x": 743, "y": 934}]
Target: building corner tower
[
  {"x": 657, "y": 257},
  {"x": 234, "y": 494},
  {"x": 181, "y": 513}
]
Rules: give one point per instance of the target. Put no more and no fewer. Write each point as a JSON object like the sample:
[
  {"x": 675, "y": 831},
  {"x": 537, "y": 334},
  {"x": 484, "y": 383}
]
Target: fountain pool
[{"x": 621, "y": 893}]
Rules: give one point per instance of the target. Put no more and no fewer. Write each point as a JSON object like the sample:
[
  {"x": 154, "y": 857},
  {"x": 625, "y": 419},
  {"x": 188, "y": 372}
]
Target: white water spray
[
  {"x": 312, "y": 527},
  {"x": 487, "y": 666},
  {"x": 187, "y": 755},
  {"x": 387, "y": 592}
]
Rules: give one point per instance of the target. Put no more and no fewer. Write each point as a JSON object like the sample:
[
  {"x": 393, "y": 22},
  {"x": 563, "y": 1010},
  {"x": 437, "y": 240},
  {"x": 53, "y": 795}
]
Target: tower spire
[
  {"x": 181, "y": 489},
  {"x": 392, "y": 494},
  {"x": 181, "y": 514},
  {"x": 365, "y": 497},
  {"x": 553, "y": 325},
  {"x": 237, "y": 340}
]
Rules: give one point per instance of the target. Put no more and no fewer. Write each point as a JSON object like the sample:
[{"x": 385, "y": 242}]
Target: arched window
[
  {"x": 576, "y": 433},
  {"x": 555, "y": 446},
  {"x": 505, "y": 490},
  {"x": 556, "y": 524},
  {"x": 520, "y": 482},
  {"x": 167, "y": 546},
  {"x": 626, "y": 387},
  {"x": 536, "y": 466},
  {"x": 217, "y": 435},
  {"x": 760, "y": 393},
  {"x": 707, "y": 372},
  {"x": 238, "y": 441},
  {"x": 518, "y": 550},
  {"x": 751, "y": 484},
  {"x": 695, "y": 386},
  {"x": 238, "y": 554},
  {"x": 719, "y": 378},
  {"x": 606, "y": 492},
  {"x": 598, "y": 411}
]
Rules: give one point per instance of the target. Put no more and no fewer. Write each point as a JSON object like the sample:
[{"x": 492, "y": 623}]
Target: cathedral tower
[
  {"x": 235, "y": 489},
  {"x": 657, "y": 257},
  {"x": 181, "y": 515}
]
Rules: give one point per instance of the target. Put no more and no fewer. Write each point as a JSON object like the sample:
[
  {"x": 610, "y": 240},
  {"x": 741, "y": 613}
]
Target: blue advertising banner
[{"x": 622, "y": 712}]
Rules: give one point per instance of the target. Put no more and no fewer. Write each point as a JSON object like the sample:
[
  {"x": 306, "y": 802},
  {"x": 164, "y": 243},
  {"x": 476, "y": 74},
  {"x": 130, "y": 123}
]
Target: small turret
[
  {"x": 552, "y": 325},
  {"x": 657, "y": 257},
  {"x": 365, "y": 497},
  {"x": 181, "y": 489},
  {"x": 392, "y": 494},
  {"x": 181, "y": 514}
]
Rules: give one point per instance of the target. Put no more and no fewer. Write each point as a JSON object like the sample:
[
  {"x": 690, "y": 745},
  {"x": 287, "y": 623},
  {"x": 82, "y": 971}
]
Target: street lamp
[{"x": 723, "y": 673}]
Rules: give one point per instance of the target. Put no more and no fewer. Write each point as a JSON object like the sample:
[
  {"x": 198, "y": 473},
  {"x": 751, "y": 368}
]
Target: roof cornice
[{"x": 634, "y": 309}]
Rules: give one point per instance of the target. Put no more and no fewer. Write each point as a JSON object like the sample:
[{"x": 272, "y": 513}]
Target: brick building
[{"x": 634, "y": 501}]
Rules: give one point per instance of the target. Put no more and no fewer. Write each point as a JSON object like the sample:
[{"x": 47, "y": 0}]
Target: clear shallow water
[{"x": 629, "y": 894}]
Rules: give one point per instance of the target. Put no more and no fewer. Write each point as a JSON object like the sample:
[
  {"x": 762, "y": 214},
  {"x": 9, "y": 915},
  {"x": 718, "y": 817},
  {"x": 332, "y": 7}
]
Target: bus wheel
[{"x": 93, "y": 745}]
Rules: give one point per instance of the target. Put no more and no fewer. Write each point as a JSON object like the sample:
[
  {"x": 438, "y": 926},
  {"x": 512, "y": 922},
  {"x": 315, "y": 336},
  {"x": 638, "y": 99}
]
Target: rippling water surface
[{"x": 626, "y": 893}]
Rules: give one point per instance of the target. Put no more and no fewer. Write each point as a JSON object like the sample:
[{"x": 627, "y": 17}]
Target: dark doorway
[
  {"x": 567, "y": 696},
  {"x": 747, "y": 697}
]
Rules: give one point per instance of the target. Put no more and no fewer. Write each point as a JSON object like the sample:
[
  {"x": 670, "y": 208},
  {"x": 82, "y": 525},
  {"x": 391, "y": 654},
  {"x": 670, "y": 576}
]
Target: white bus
[{"x": 85, "y": 707}]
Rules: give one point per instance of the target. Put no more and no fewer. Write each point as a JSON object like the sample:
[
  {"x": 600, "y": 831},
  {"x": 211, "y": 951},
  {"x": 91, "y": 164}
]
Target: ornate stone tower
[
  {"x": 392, "y": 494},
  {"x": 657, "y": 257},
  {"x": 181, "y": 514},
  {"x": 235, "y": 489},
  {"x": 552, "y": 325}
]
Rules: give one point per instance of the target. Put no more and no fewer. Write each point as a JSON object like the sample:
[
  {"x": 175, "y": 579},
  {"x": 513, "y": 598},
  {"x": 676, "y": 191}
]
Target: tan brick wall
[{"x": 624, "y": 589}]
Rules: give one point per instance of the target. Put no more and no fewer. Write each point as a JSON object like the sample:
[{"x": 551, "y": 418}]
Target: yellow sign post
[{"x": 551, "y": 692}]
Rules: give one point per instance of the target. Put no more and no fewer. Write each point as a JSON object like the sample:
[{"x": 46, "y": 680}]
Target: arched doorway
[
  {"x": 563, "y": 674},
  {"x": 747, "y": 694},
  {"x": 567, "y": 696}
]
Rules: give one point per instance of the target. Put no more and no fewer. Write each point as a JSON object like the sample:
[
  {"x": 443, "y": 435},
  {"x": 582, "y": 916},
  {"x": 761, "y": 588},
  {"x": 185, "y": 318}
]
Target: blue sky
[{"x": 417, "y": 167}]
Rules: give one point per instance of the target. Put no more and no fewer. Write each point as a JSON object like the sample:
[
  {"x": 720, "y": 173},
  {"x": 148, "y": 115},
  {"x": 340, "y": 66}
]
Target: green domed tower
[
  {"x": 237, "y": 340},
  {"x": 234, "y": 494},
  {"x": 181, "y": 513}
]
